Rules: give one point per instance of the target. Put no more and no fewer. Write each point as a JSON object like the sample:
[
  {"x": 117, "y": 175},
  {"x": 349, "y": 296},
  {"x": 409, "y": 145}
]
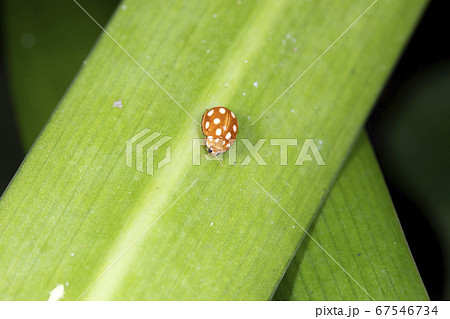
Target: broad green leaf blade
[
  {"x": 358, "y": 226},
  {"x": 75, "y": 209}
]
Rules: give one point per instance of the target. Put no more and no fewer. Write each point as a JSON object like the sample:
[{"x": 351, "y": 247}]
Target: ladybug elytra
[{"x": 220, "y": 127}]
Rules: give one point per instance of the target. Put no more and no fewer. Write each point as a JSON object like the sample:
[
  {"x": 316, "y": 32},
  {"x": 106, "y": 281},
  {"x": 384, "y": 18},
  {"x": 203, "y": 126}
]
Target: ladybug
[{"x": 220, "y": 127}]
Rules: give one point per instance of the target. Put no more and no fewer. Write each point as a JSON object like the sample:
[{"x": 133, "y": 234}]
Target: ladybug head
[
  {"x": 214, "y": 151},
  {"x": 214, "y": 147}
]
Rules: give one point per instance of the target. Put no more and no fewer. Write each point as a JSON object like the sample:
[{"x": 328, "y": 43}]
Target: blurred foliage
[
  {"x": 416, "y": 148},
  {"x": 45, "y": 44}
]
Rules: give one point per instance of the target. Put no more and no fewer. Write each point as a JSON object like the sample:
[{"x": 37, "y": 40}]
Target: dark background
[
  {"x": 424, "y": 62},
  {"x": 427, "y": 55}
]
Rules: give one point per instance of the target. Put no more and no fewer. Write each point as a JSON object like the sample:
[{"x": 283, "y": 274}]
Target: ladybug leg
[{"x": 220, "y": 161}]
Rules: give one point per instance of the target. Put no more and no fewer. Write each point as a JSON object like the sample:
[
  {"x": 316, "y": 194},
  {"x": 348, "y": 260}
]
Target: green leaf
[
  {"x": 358, "y": 226},
  {"x": 76, "y": 215}
]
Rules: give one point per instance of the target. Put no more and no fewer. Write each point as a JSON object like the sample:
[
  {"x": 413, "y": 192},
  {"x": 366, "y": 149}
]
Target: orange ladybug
[{"x": 220, "y": 127}]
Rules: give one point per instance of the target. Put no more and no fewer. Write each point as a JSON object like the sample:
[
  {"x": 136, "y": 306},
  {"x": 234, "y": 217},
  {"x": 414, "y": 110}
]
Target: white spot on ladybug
[
  {"x": 218, "y": 132},
  {"x": 207, "y": 124},
  {"x": 234, "y": 128},
  {"x": 217, "y": 140},
  {"x": 210, "y": 138},
  {"x": 223, "y": 142},
  {"x": 210, "y": 112},
  {"x": 232, "y": 114},
  {"x": 216, "y": 120},
  {"x": 228, "y": 145},
  {"x": 228, "y": 136},
  {"x": 222, "y": 110}
]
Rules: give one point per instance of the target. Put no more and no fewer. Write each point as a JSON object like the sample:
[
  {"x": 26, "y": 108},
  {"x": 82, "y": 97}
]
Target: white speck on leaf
[
  {"x": 124, "y": 7},
  {"x": 288, "y": 36},
  {"x": 248, "y": 116},
  {"x": 255, "y": 84},
  {"x": 72, "y": 254},
  {"x": 118, "y": 104},
  {"x": 226, "y": 85},
  {"x": 245, "y": 61},
  {"x": 211, "y": 224},
  {"x": 292, "y": 111},
  {"x": 57, "y": 293},
  {"x": 67, "y": 283},
  {"x": 207, "y": 51},
  {"x": 215, "y": 15},
  {"x": 243, "y": 94},
  {"x": 320, "y": 142}
]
